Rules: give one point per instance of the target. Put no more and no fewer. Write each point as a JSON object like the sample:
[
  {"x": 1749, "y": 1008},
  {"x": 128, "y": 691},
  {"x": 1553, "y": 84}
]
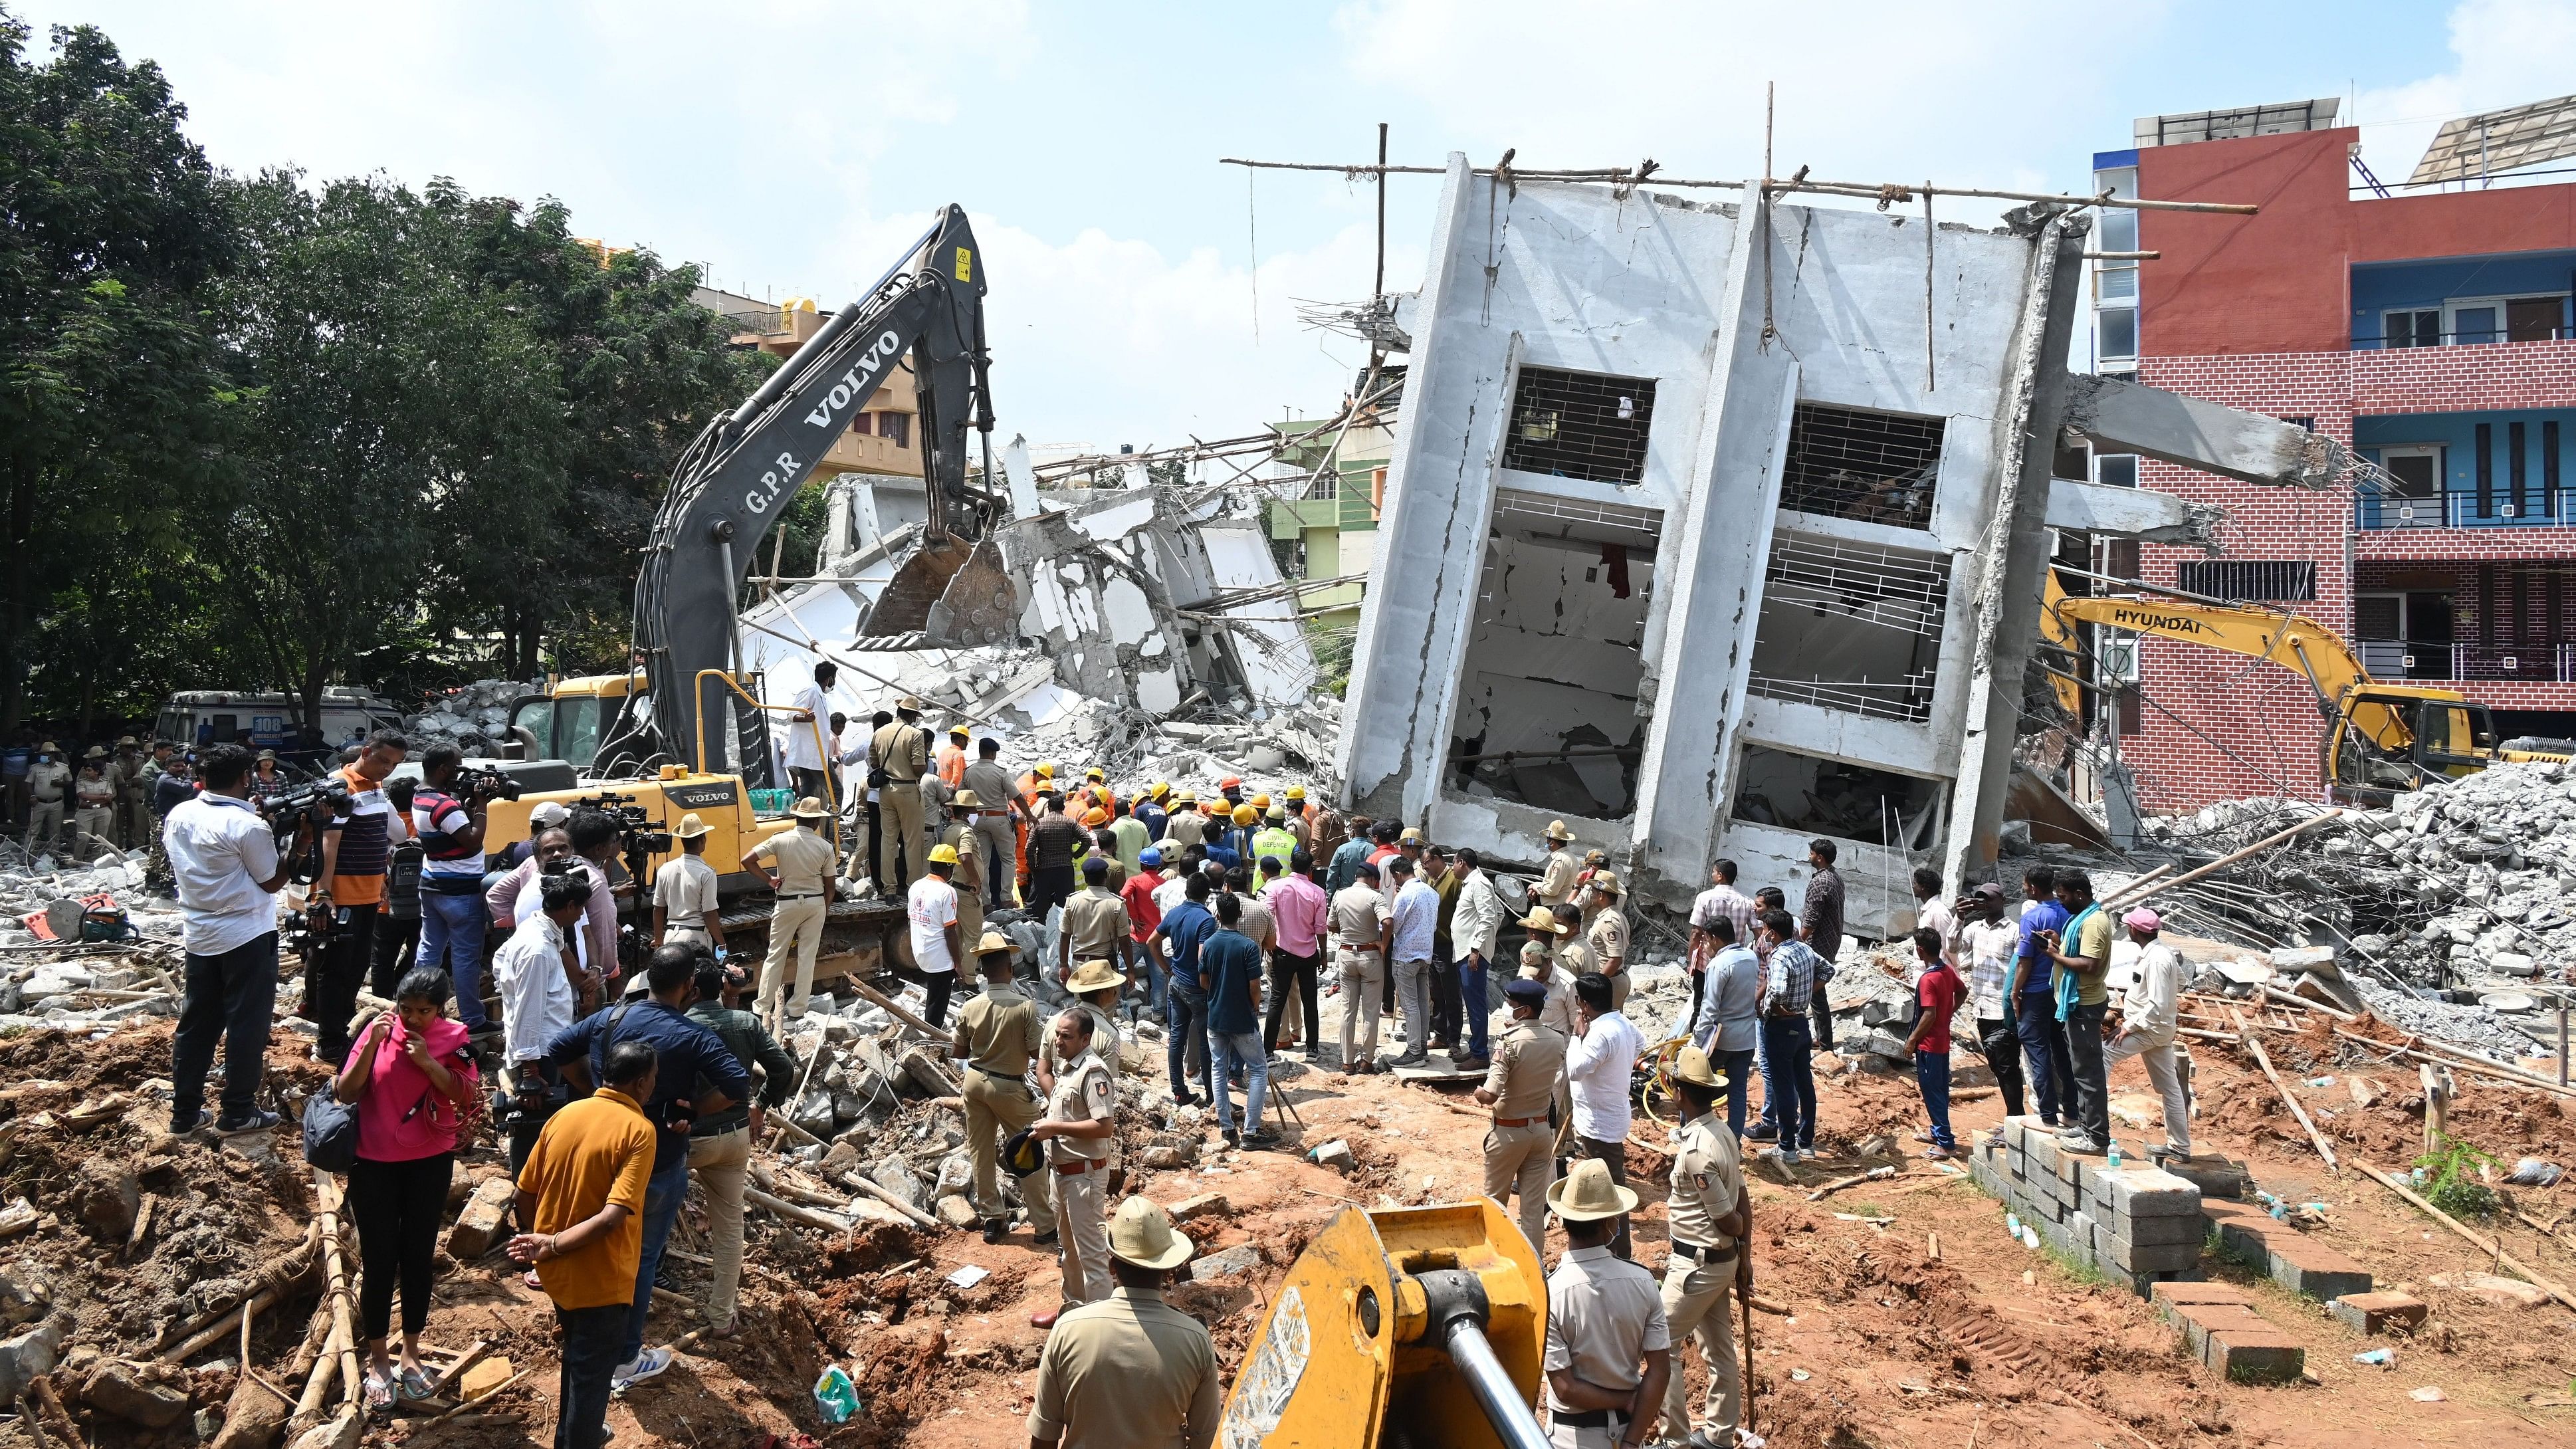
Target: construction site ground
[{"x": 1884, "y": 1341}]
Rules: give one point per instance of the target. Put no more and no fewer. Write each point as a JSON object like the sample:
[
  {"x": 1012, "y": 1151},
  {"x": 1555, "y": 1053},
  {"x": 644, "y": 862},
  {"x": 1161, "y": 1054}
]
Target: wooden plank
[
  {"x": 2484, "y": 1243},
  {"x": 2245, "y": 1034}
]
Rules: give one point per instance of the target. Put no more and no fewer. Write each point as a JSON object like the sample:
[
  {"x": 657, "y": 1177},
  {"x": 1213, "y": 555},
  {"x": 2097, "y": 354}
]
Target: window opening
[
  {"x": 1851, "y": 626},
  {"x": 2270, "y": 580},
  {"x": 1871, "y": 467},
  {"x": 1580, "y": 425},
  {"x": 1813, "y": 795}
]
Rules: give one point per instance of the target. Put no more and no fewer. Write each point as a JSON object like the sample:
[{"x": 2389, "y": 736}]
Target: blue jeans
[
  {"x": 1769, "y": 1116},
  {"x": 1186, "y": 1037},
  {"x": 230, "y": 997},
  {"x": 451, "y": 939},
  {"x": 1932, "y": 1074},
  {"x": 1158, "y": 983},
  {"x": 1232, "y": 1049},
  {"x": 589, "y": 1358},
  {"x": 1472, "y": 1003},
  {"x": 1737, "y": 1068},
  {"x": 1789, "y": 1079},
  {"x": 662, "y": 1197},
  {"x": 2046, "y": 1062}
]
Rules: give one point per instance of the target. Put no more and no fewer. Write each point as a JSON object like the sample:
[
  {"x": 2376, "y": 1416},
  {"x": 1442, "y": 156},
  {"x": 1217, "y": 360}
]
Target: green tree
[
  {"x": 396, "y": 423},
  {"x": 112, "y": 228}
]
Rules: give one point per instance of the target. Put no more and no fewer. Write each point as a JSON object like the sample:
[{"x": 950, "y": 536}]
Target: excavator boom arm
[{"x": 737, "y": 477}]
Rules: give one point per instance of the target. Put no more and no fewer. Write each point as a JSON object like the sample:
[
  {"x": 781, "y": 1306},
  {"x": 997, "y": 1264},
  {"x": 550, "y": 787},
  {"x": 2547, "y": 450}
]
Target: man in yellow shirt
[{"x": 581, "y": 1196}]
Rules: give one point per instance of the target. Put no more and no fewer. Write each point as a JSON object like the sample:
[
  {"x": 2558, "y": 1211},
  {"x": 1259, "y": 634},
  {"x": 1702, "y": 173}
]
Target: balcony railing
[
  {"x": 2398, "y": 659},
  {"x": 2503, "y": 508}
]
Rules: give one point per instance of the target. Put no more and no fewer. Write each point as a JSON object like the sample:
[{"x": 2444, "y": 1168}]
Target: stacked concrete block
[
  {"x": 2289, "y": 1257},
  {"x": 2220, "y": 1326},
  {"x": 2137, "y": 1225}
]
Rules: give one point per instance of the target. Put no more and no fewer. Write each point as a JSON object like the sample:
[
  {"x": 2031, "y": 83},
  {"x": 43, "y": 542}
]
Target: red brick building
[{"x": 2431, "y": 332}]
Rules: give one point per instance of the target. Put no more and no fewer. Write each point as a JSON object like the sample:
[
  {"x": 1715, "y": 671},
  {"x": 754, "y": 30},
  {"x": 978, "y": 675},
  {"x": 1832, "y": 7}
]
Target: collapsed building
[{"x": 1712, "y": 528}]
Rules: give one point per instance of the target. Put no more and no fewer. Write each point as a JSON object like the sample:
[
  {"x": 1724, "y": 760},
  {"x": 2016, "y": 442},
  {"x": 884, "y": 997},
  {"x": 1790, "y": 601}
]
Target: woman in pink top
[{"x": 413, "y": 1080}]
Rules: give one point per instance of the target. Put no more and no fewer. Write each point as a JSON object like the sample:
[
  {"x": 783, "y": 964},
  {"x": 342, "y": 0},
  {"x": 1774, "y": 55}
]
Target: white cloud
[{"x": 2504, "y": 53}]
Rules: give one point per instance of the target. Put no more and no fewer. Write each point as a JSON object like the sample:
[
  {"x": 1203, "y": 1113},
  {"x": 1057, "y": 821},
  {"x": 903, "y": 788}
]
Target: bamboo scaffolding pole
[{"x": 1646, "y": 176}]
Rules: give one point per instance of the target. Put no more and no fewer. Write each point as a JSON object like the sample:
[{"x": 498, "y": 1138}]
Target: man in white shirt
[
  {"x": 803, "y": 748},
  {"x": 1598, "y": 1064},
  {"x": 2147, "y": 1030},
  {"x": 1475, "y": 928},
  {"x": 1989, "y": 940},
  {"x": 1416, "y": 916},
  {"x": 541, "y": 984},
  {"x": 1933, "y": 912},
  {"x": 937, "y": 942},
  {"x": 224, "y": 857}
]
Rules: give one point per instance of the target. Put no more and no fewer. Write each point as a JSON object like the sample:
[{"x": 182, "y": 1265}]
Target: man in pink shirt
[{"x": 1297, "y": 908}]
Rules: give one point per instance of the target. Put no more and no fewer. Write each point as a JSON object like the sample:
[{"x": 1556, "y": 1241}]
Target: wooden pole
[
  {"x": 2245, "y": 1034},
  {"x": 792, "y": 1213},
  {"x": 2484, "y": 1243},
  {"x": 2437, "y": 1104},
  {"x": 344, "y": 1327},
  {"x": 1747, "y": 1300},
  {"x": 888, "y": 1002}
]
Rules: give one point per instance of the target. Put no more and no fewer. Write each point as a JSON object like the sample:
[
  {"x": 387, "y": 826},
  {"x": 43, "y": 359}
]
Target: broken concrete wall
[
  {"x": 1787, "y": 363},
  {"x": 1091, "y": 602}
]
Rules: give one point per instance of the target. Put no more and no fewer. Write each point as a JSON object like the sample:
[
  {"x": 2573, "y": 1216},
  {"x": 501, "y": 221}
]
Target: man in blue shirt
[
  {"x": 689, "y": 1053},
  {"x": 2048, "y": 1061},
  {"x": 1345, "y": 866},
  {"x": 1230, "y": 973},
  {"x": 1789, "y": 1078},
  {"x": 1178, "y": 940},
  {"x": 1730, "y": 1013}
]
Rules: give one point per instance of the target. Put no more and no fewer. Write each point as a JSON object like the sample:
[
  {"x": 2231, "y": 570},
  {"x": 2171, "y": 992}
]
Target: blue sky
[{"x": 790, "y": 146}]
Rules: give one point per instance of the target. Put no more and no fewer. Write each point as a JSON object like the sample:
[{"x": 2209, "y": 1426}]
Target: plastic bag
[
  {"x": 836, "y": 1396},
  {"x": 2536, "y": 1172}
]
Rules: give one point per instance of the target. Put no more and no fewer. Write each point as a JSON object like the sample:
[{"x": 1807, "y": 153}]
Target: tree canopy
[{"x": 266, "y": 431}]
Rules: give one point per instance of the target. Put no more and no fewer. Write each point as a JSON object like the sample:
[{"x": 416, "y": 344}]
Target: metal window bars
[
  {"x": 1869, "y": 585},
  {"x": 1579, "y": 425},
  {"x": 1864, "y": 466}
]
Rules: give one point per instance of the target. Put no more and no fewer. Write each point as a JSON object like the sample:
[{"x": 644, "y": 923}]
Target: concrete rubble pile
[
  {"x": 64, "y": 982},
  {"x": 473, "y": 717}
]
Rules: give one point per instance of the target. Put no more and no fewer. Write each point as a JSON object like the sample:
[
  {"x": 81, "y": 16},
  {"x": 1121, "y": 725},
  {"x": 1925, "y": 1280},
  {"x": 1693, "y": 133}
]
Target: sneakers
[
  {"x": 1761, "y": 1132},
  {"x": 2161, "y": 1156},
  {"x": 1232, "y": 1137},
  {"x": 257, "y": 1121},
  {"x": 197, "y": 1121},
  {"x": 2083, "y": 1144},
  {"x": 1260, "y": 1141},
  {"x": 645, "y": 1365},
  {"x": 1785, "y": 1156}
]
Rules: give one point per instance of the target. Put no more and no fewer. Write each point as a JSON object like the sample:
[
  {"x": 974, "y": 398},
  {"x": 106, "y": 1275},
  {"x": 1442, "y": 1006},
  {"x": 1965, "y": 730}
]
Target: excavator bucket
[{"x": 954, "y": 595}]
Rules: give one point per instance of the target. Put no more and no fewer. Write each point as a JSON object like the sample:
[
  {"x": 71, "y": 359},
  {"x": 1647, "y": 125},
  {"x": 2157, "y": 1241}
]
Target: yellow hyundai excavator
[
  {"x": 2381, "y": 739},
  {"x": 1421, "y": 1325}
]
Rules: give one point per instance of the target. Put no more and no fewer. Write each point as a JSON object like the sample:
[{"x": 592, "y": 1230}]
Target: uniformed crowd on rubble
[{"x": 1223, "y": 912}]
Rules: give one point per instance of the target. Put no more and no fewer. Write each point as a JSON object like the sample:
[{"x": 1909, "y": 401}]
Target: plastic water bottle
[
  {"x": 2012, "y": 1223},
  {"x": 2114, "y": 1162}
]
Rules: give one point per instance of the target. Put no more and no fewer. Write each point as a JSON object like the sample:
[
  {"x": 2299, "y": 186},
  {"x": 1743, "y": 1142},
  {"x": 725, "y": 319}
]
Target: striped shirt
[{"x": 366, "y": 842}]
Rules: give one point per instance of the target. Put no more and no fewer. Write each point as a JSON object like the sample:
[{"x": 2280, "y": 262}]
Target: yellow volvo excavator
[{"x": 2381, "y": 739}]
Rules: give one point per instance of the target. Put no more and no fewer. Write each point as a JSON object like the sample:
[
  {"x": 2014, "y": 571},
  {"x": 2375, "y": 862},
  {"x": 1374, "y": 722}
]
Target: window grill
[
  {"x": 2271, "y": 580},
  {"x": 1889, "y": 606},
  {"x": 1580, "y": 425},
  {"x": 1869, "y": 467}
]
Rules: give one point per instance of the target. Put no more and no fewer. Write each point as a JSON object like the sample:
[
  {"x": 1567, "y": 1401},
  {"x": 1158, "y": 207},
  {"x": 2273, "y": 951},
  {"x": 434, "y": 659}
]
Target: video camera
[
  {"x": 287, "y": 809},
  {"x": 637, "y": 830},
  {"x": 486, "y": 780}
]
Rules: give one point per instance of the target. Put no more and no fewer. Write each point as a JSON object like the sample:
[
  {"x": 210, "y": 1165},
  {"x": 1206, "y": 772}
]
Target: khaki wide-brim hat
[
  {"x": 1603, "y": 880},
  {"x": 1541, "y": 918},
  {"x": 1141, "y": 1232},
  {"x": 128, "y": 742},
  {"x": 1093, "y": 976},
  {"x": 993, "y": 941},
  {"x": 96, "y": 752},
  {"x": 810, "y": 808},
  {"x": 1556, "y": 831},
  {"x": 691, "y": 827},
  {"x": 1691, "y": 1065},
  {"x": 1587, "y": 1194},
  {"x": 967, "y": 800},
  {"x": 909, "y": 701}
]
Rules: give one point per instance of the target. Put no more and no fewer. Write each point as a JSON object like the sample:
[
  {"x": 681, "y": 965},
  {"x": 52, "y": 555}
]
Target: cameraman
[
  {"x": 226, "y": 861},
  {"x": 357, "y": 851},
  {"x": 541, "y": 988},
  {"x": 451, "y": 877},
  {"x": 595, "y": 942}
]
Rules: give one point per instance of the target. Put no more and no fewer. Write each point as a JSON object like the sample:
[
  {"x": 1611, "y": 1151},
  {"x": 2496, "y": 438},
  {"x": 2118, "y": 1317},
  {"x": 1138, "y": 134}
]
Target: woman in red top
[{"x": 413, "y": 1080}]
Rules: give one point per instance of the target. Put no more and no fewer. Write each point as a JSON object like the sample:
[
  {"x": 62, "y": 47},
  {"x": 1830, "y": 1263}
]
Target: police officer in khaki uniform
[
  {"x": 1095, "y": 986},
  {"x": 49, "y": 783},
  {"x": 1609, "y": 1349},
  {"x": 1528, "y": 1069},
  {"x": 1132, "y": 1369},
  {"x": 1095, "y": 925},
  {"x": 1570, "y": 950},
  {"x": 900, "y": 750},
  {"x": 800, "y": 864},
  {"x": 1362, "y": 928},
  {"x": 1607, "y": 937},
  {"x": 958, "y": 834},
  {"x": 1712, "y": 1221},
  {"x": 1556, "y": 886},
  {"x": 133, "y": 794},
  {"x": 1079, "y": 1126},
  {"x": 999, "y": 1037}
]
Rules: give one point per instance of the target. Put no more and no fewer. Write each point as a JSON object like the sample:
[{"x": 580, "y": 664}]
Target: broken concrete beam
[
  {"x": 925, "y": 1073},
  {"x": 478, "y": 1226},
  {"x": 121, "y": 1389},
  {"x": 2378, "y": 1312},
  {"x": 2120, "y": 416},
  {"x": 1244, "y": 1258},
  {"x": 1206, "y": 1204}
]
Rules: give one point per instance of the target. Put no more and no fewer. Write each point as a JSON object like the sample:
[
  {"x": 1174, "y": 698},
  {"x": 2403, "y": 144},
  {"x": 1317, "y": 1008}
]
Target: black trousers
[
  {"x": 1444, "y": 998},
  {"x": 939, "y": 984},
  {"x": 1287, "y": 971},
  {"x": 591, "y": 1339},
  {"x": 1052, "y": 886},
  {"x": 1614, "y": 1156},
  {"x": 393, "y": 951},
  {"x": 399, "y": 1208},
  {"x": 230, "y": 997},
  {"x": 2092, "y": 1087},
  {"x": 1822, "y": 1014},
  {"x": 531, "y": 1109},
  {"x": 331, "y": 981},
  {"x": 2002, "y": 1048}
]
